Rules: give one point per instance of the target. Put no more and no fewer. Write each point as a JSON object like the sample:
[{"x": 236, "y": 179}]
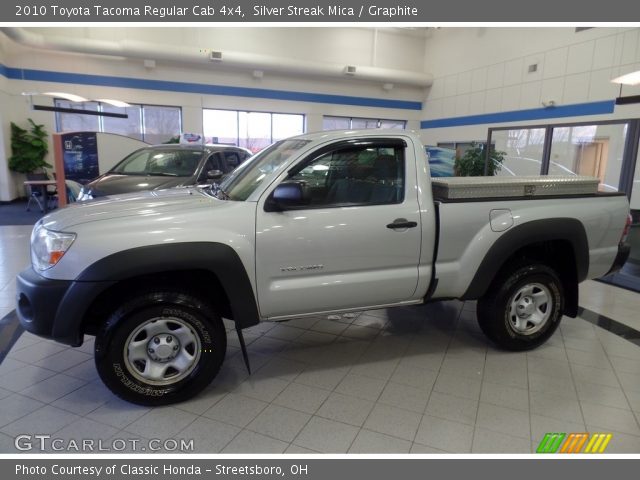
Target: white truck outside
[{"x": 315, "y": 224}]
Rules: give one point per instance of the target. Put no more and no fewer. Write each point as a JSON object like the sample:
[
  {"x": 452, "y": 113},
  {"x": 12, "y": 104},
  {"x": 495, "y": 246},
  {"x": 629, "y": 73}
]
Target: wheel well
[
  {"x": 202, "y": 283},
  {"x": 558, "y": 255}
]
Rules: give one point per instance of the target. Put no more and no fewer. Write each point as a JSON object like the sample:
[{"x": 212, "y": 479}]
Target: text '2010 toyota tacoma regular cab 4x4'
[{"x": 325, "y": 222}]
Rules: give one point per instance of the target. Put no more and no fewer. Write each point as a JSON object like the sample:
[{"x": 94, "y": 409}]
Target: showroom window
[
  {"x": 252, "y": 130},
  {"x": 462, "y": 147},
  {"x": 372, "y": 175},
  {"x": 160, "y": 123},
  {"x": 74, "y": 122},
  {"x": 354, "y": 123},
  {"x": 593, "y": 149},
  {"x": 523, "y": 149},
  {"x": 130, "y": 127},
  {"x": 150, "y": 123}
]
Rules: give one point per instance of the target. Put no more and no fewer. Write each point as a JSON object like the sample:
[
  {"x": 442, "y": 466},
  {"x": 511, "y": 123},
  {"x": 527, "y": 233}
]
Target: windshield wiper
[{"x": 162, "y": 174}]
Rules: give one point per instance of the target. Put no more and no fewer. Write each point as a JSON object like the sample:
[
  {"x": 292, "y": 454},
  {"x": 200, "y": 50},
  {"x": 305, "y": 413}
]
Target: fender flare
[
  {"x": 217, "y": 258},
  {"x": 529, "y": 233}
]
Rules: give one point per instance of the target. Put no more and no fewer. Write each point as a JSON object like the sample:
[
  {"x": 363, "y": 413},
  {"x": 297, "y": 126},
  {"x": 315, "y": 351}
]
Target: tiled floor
[
  {"x": 420, "y": 380},
  {"x": 617, "y": 303}
]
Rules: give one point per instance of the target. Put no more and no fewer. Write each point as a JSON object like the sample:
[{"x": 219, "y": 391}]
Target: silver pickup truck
[{"x": 315, "y": 224}]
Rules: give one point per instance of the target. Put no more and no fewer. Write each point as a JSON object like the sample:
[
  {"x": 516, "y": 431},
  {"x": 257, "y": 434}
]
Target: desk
[{"x": 42, "y": 185}]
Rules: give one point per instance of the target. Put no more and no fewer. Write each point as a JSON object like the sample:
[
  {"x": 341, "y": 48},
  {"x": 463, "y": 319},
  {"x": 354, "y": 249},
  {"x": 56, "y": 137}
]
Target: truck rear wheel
[
  {"x": 160, "y": 347},
  {"x": 523, "y": 306}
]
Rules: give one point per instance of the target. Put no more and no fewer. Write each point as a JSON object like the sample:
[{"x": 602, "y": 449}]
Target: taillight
[{"x": 627, "y": 228}]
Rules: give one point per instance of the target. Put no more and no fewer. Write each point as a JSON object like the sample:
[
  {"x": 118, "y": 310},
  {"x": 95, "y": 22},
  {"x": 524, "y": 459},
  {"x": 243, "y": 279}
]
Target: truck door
[{"x": 355, "y": 244}]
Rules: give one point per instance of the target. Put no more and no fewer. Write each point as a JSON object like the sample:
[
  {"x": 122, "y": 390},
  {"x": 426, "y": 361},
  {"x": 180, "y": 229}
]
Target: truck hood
[
  {"x": 141, "y": 204},
  {"x": 115, "y": 184}
]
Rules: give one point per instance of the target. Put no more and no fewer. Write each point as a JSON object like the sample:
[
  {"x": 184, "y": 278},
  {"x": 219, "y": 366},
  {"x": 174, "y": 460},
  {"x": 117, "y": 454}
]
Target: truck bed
[
  {"x": 469, "y": 226},
  {"x": 470, "y": 188}
]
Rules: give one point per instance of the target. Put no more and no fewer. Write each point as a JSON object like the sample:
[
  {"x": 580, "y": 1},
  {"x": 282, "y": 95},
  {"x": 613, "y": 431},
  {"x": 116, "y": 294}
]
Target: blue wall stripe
[
  {"x": 200, "y": 88},
  {"x": 574, "y": 110}
]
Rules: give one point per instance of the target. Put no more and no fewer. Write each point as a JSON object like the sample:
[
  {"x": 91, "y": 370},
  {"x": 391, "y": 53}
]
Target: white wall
[
  {"x": 7, "y": 189},
  {"x": 387, "y": 48},
  {"x": 484, "y": 70},
  {"x": 357, "y": 46}
]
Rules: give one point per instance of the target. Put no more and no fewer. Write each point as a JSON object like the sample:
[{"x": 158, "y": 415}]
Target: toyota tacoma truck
[{"x": 316, "y": 224}]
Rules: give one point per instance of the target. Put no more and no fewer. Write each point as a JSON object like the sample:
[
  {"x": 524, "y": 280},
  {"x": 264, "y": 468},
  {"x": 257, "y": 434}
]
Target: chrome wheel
[
  {"x": 530, "y": 308},
  {"x": 162, "y": 351}
]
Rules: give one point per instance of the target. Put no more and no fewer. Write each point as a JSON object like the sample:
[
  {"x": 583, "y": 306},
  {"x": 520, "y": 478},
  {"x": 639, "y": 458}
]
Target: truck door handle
[{"x": 402, "y": 223}]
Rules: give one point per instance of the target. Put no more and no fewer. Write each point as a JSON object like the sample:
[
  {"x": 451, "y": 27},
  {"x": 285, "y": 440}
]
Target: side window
[
  {"x": 371, "y": 175},
  {"x": 212, "y": 163},
  {"x": 232, "y": 159}
]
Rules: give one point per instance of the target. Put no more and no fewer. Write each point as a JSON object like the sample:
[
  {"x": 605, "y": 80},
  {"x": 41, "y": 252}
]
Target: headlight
[
  {"x": 48, "y": 247},
  {"x": 84, "y": 195}
]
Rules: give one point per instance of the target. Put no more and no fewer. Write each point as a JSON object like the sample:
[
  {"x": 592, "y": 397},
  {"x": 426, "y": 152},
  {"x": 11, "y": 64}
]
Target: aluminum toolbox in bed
[{"x": 496, "y": 187}]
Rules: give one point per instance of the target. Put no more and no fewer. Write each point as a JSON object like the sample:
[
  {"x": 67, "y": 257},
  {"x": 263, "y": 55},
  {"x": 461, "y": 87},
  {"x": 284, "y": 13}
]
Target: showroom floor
[{"x": 419, "y": 380}]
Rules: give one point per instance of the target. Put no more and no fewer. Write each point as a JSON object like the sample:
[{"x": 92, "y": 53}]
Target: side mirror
[
  {"x": 214, "y": 175},
  {"x": 287, "y": 196}
]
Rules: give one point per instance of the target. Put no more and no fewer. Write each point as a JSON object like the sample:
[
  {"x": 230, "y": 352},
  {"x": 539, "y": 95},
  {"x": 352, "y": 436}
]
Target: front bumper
[
  {"x": 37, "y": 301},
  {"x": 624, "y": 249},
  {"x": 54, "y": 309}
]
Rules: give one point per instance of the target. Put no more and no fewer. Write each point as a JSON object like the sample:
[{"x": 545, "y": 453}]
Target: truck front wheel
[
  {"x": 160, "y": 347},
  {"x": 523, "y": 306}
]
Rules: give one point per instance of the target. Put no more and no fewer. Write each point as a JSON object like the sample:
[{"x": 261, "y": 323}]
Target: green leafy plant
[
  {"x": 28, "y": 148},
  {"x": 471, "y": 164}
]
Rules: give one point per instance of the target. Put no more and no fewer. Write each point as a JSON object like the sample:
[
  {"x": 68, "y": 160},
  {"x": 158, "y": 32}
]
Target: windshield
[
  {"x": 158, "y": 162},
  {"x": 247, "y": 177}
]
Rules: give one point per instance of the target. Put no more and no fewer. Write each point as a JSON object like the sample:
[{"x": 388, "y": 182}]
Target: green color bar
[
  {"x": 550, "y": 443},
  {"x": 559, "y": 438},
  {"x": 542, "y": 448}
]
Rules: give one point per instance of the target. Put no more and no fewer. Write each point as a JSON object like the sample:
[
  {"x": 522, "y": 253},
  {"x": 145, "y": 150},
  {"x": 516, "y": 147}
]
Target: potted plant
[
  {"x": 28, "y": 148},
  {"x": 472, "y": 163}
]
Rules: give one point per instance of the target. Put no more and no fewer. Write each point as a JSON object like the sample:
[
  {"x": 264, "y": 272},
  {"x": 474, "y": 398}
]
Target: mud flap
[{"x": 243, "y": 346}]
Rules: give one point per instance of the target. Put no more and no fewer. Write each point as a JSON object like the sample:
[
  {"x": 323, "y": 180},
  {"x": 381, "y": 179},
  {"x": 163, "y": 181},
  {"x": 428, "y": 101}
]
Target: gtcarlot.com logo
[
  {"x": 46, "y": 443},
  {"x": 574, "y": 443}
]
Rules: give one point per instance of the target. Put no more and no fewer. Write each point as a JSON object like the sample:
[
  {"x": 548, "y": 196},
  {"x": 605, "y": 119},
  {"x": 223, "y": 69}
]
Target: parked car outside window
[{"x": 441, "y": 160}]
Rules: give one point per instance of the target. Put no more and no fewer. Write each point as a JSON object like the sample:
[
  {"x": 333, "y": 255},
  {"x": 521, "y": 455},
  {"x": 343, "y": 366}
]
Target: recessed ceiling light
[
  {"x": 114, "y": 103},
  {"x": 67, "y": 96},
  {"x": 632, "y": 78}
]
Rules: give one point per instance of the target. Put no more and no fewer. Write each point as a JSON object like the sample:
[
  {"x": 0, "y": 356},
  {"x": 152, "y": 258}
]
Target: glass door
[
  {"x": 632, "y": 268},
  {"x": 592, "y": 150},
  {"x": 629, "y": 275}
]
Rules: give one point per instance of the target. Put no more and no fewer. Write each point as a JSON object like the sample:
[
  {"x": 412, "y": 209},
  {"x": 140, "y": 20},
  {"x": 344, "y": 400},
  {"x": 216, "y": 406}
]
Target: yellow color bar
[
  {"x": 590, "y": 444},
  {"x": 606, "y": 441},
  {"x": 598, "y": 443},
  {"x": 599, "y": 440}
]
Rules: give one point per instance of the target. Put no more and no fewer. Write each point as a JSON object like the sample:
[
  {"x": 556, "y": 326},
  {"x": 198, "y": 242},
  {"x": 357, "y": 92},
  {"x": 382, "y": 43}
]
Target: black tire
[
  {"x": 191, "y": 345},
  {"x": 498, "y": 310}
]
